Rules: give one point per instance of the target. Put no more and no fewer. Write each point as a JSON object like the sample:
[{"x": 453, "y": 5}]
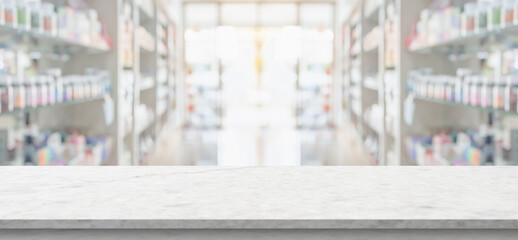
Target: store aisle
[
  {"x": 264, "y": 78},
  {"x": 258, "y": 129}
]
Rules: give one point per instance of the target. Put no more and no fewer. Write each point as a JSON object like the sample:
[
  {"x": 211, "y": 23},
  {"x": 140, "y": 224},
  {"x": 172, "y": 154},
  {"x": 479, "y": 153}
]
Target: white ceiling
[{"x": 342, "y": 6}]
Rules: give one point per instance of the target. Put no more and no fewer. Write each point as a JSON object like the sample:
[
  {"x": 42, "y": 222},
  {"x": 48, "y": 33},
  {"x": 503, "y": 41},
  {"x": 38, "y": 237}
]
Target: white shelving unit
[
  {"x": 87, "y": 114},
  {"x": 395, "y": 60},
  {"x": 363, "y": 68},
  {"x": 155, "y": 74}
]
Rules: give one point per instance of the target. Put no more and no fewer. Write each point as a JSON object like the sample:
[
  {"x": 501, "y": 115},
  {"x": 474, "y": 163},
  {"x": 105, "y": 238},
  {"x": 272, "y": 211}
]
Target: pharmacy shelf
[
  {"x": 360, "y": 63},
  {"x": 455, "y": 104},
  {"x": 443, "y": 57},
  {"x": 93, "y": 55},
  {"x": 50, "y": 43},
  {"x": 469, "y": 43},
  {"x": 63, "y": 104},
  {"x": 150, "y": 59}
]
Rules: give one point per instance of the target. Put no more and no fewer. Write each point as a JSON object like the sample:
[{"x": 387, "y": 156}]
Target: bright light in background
[
  {"x": 259, "y": 52},
  {"x": 256, "y": 61},
  {"x": 227, "y": 45},
  {"x": 259, "y": 74},
  {"x": 201, "y": 47}
]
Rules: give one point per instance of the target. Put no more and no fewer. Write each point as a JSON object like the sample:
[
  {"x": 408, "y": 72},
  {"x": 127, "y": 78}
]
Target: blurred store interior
[{"x": 258, "y": 83}]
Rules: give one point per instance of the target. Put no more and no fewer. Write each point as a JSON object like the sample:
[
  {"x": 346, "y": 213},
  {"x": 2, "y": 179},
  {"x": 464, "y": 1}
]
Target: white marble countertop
[{"x": 259, "y": 198}]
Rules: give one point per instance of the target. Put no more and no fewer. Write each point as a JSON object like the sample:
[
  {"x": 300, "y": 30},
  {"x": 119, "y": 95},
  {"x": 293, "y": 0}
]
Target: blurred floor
[{"x": 259, "y": 147}]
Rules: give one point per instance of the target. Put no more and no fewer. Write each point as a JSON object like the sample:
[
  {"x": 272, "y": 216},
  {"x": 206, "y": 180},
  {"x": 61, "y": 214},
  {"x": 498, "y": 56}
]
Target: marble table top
[{"x": 259, "y": 198}]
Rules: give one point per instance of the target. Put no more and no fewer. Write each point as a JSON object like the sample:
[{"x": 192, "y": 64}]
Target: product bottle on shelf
[
  {"x": 6, "y": 94},
  {"x": 68, "y": 90},
  {"x": 468, "y": 19},
  {"x": 511, "y": 94},
  {"x": 51, "y": 87},
  {"x": 10, "y": 14},
  {"x": 459, "y": 82},
  {"x": 43, "y": 98},
  {"x": 486, "y": 93},
  {"x": 466, "y": 90},
  {"x": 49, "y": 18},
  {"x": 19, "y": 94},
  {"x": 36, "y": 19},
  {"x": 495, "y": 15},
  {"x": 499, "y": 94},
  {"x": 58, "y": 84},
  {"x": 476, "y": 85},
  {"x": 508, "y": 13},
  {"x": 483, "y": 7},
  {"x": 24, "y": 15},
  {"x": 30, "y": 92}
]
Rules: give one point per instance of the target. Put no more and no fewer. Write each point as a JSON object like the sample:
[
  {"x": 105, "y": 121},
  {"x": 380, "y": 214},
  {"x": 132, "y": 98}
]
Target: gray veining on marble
[{"x": 259, "y": 198}]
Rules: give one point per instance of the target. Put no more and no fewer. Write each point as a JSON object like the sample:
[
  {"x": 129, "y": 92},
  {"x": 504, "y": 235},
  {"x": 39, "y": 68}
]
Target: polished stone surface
[{"x": 259, "y": 198}]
